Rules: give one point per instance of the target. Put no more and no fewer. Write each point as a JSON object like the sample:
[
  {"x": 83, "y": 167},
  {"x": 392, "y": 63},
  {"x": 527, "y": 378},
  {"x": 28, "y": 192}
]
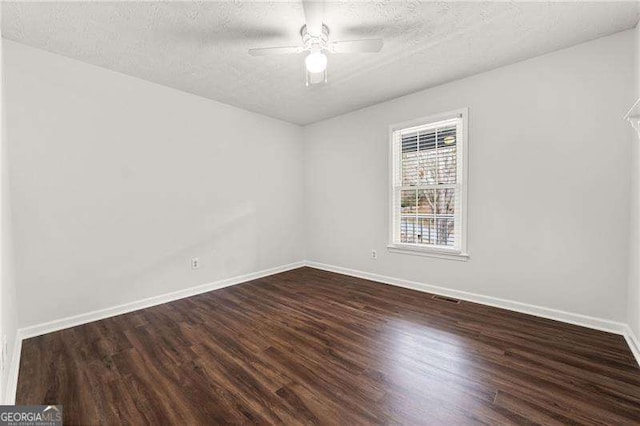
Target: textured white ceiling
[{"x": 201, "y": 47}]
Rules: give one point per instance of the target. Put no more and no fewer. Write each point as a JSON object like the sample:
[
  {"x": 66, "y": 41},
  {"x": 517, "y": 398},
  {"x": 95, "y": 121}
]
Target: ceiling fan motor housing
[{"x": 315, "y": 43}]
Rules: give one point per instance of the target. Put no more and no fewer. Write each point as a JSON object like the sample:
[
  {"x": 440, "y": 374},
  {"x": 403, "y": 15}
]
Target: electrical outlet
[
  {"x": 374, "y": 254},
  {"x": 195, "y": 263}
]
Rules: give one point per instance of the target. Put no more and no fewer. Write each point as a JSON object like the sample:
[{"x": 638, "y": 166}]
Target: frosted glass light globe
[{"x": 316, "y": 62}]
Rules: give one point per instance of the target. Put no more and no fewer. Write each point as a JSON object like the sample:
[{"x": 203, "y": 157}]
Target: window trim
[{"x": 421, "y": 249}]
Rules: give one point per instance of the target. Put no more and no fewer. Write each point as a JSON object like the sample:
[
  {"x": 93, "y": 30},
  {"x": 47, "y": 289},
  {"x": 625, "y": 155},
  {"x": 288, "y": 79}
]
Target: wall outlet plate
[{"x": 195, "y": 263}]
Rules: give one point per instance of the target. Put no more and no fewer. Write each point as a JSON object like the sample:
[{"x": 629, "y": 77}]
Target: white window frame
[{"x": 457, "y": 253}]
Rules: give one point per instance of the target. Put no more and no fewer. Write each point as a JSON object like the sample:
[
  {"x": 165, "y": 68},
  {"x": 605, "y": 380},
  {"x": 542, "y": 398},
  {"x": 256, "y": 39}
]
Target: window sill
[{"x": 428, "y": 252}]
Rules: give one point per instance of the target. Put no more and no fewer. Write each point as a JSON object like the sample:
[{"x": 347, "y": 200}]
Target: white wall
[
  {"x": 634, "y": 239},
  {"x": 549, "y": 161},
  {"x": 118, "y": 182},
  {"x": 8, "y": 305}
]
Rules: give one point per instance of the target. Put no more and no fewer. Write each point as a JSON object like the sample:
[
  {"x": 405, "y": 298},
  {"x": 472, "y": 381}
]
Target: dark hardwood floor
[{"x": 309, "y": 347}]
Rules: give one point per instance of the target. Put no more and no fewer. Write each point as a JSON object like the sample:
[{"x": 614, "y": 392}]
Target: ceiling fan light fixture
[
  {"x": 316, "y": 62},
  {"x": 315, "y": 41}
]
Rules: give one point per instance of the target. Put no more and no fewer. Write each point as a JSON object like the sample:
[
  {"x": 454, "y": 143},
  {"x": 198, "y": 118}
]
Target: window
[{"x": 428, "y": 186}]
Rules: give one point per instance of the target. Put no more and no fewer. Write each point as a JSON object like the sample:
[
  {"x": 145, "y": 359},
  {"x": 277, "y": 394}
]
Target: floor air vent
[{"x": 445, "y": 299}]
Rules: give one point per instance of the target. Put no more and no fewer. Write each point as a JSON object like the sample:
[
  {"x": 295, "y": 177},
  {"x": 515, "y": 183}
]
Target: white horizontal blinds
[{"x": 426, "y": 189}]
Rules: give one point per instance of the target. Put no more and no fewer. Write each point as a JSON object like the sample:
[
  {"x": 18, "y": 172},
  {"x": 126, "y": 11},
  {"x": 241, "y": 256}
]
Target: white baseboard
[
  {"x": 539, "y": 311},
  {"x": 60, "y": 324},
  {"x": 14, "y": 369},
  {"x": 525, "y": 308},
  {"x": 633, "y": 342}
]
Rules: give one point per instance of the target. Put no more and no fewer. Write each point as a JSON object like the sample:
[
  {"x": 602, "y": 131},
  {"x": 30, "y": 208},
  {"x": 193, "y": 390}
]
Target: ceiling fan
[{"x": 315, "y": 40}]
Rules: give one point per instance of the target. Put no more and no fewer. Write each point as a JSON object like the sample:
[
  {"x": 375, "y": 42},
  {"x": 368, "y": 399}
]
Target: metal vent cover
[{"x": 445, "y": 299}]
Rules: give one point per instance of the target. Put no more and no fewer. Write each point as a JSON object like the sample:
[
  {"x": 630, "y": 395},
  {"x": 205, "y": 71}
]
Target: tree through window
[{"x": 428, "y": 191}]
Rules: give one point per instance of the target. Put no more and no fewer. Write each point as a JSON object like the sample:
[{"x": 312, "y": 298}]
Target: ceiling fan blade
[
  {"x": 268, "y": 51},
  {"x": 355, "y": 46},
  {"x": 313, "y": 15}
]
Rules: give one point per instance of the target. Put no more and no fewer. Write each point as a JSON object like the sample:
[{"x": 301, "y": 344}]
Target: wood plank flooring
[{"x": 313, "y": 347}]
